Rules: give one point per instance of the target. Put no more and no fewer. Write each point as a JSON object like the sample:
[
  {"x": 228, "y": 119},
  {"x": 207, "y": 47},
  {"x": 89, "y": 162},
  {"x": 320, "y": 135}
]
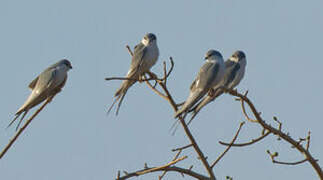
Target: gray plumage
[
  {"x": 234, "y": 72},
  {"x": 144, "y": 57},
  {"x": 48, "y": 83},
  {"x": 210, "y": 75}
]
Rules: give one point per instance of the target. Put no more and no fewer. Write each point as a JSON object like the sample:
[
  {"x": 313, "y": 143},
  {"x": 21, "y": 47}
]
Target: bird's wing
[
  {"x": 137, "y": 60},
  {"x": 228, "y": 63},
  {"x": 230, "y": 73},
  {"x": 202, "y": 83},
  {"x": 48, "y": 80},
  {"x": 32, "y": 84},
  {"x": 192, "y": 87},
  {"x": 206, "y": 76}
]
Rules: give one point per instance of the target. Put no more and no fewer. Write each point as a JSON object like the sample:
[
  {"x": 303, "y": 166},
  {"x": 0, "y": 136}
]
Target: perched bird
[
  {"x": 234, "y": 71},
  {"x": 47, "y": 84},
  {"x": 210, "y": 75},
  {"x": 144, "y": 57}
]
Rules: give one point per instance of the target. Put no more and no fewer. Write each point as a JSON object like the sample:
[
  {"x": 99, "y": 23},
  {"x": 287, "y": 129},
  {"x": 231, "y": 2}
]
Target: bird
[
  {"x": 210, "y": 75},
  {"x": 47, "y": 84},
  {"x": 144, "y": 57},
  {"x": 234, "y": 72}
]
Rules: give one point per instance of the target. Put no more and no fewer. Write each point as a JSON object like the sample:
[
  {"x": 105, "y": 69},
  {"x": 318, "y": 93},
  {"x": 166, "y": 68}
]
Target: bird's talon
[{"x": 211, "y": 92}]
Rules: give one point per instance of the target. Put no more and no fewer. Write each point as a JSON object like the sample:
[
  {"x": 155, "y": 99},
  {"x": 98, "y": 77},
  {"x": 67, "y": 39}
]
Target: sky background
[{"x": 73, "y": 138}]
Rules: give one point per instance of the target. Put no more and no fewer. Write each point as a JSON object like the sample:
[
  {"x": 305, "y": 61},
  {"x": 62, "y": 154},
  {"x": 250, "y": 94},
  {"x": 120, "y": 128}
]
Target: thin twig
[
  {"x": 175, "y": 157},
  {"x": 279, "y": 123},
  {"x": 161, "y": 167},
  {"x": 230, "y": 145},
  {"x": 289, "y": 163},
  {"x": 167, "y": 167},
  {"x": 308, "y": 140},
  {"x": 245, "y": 112},
  {"x": 182, "y": 148},
  {"x": 125, "y": 78},
  {"x": 247, "y": 143},
  {"x": 275, "y": 154},
  {"x": 156, "y": 91},
  {"x": 129, "y": 50},
  {"x": 170, "y": 168},
  {"x": 24, "y": 127}
]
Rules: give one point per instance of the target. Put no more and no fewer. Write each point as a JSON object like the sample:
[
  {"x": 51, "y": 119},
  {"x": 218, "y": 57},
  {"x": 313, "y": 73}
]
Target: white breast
[
  {"x": 61, "y": 72},
  {"x": 151, "y": 56}
]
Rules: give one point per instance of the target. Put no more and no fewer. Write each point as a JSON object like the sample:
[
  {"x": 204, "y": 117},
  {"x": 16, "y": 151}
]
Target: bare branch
[
  {"x": 167, "y": 167},
  {"x": 279, "y": 123},
  {"x": 166, "y": 75},
  {"x": 24, "y": 126},
  {"x": 281, "y": 134},
  {"x": 161, "y": 167},
  {"x": 176, "y": 156},
  {"x": 125, "y": 78},
  {"x": 308, "y": 140},
  {"x": 156, "y": 91},
  {"x": 244, "y": 110},
  {"x": 247, "y": 143},
  {"x": 182, "y": 148},
  {"x": 275, "y": 154},
  {"x": 129, "y": 50},
  {"x": 230, "y": 145}
]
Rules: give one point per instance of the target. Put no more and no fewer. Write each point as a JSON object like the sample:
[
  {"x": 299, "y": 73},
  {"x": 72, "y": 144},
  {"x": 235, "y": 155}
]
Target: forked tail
[
  {"x": 120, "y": 94},
  {"x": 17, "y": 115}
]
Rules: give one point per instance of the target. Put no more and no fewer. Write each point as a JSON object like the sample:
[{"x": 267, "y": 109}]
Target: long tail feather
[
  {"x": 193, "y": 116},
  {"x": 175, "y": 125},
  {"x": 120, "y": 102},
  {"x": 23, "y": 116},
  {"x": 120, "y": 94},
  {"x": 17, "y": 115},
  {"x": 114, "y": 102}
]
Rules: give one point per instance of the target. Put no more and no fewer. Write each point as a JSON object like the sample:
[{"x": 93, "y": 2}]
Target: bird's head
[
  {"x": 238, "y": 56},
  {"x": 148, "y": 39},
  {"x": 212, "y": 55},
  {"x": 66, "y": 63}
]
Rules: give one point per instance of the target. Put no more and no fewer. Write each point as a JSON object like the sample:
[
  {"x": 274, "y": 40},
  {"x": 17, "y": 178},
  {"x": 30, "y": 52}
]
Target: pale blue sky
[{"x": 73, "y": 138}]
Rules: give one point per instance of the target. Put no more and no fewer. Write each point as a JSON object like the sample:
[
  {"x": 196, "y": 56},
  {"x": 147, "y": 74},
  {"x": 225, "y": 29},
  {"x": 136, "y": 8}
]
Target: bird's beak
[
  {"x": 71, "y": 67},
  {"x": 205, "y": 57}
]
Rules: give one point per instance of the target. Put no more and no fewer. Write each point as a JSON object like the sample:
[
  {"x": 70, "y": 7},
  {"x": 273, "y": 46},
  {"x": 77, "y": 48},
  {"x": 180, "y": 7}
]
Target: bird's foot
[
  {"x": 211, "y": 92},
  {"x": 141, "y": 79}
]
